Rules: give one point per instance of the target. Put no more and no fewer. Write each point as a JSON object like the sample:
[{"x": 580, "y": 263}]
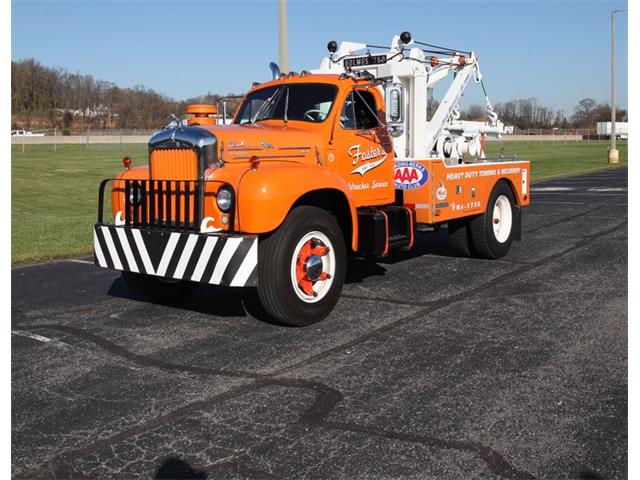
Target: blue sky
[{"x": 556, "y": 51}]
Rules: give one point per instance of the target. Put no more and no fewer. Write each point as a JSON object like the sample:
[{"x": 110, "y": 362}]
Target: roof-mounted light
[
  {"x": 405, "y": 37},
  {"x": 332, "y": 46}
]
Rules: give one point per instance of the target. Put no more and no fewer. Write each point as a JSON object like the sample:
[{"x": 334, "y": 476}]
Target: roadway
[{"x": 431, "y": 366}]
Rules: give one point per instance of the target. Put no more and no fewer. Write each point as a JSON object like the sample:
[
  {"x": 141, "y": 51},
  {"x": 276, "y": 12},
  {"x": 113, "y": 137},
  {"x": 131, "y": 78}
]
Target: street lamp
[{"x": 613, "y": 152}]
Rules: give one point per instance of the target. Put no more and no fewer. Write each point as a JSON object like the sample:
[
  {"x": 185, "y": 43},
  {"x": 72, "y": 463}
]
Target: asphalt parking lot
[{"x": 431, "y": 366}]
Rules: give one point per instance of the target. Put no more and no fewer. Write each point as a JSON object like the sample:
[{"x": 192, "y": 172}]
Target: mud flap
[{"x": 517, "y": 223}]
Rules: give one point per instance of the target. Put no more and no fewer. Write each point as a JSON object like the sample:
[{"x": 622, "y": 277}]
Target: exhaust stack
[{"x": 275, "y": 70}]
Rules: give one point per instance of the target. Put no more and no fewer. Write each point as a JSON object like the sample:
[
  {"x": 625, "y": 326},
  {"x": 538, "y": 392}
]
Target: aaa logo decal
[{"x": 409, "y": 175}]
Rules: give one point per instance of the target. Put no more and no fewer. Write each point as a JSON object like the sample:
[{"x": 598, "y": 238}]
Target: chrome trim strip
[
  {"x": 270, "y": 156},
  {"x": 249, "y": 149}
]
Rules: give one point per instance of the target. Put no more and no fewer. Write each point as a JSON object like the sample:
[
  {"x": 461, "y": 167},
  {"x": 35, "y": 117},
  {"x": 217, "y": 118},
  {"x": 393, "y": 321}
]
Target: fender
[
  {"x": 117, "y": 190},
  {"x": 266, "y": 195}
]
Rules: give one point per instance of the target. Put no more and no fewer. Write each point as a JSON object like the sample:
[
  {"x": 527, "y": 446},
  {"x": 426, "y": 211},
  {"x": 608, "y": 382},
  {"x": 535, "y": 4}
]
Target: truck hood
[{"x": 267, "y": 142}]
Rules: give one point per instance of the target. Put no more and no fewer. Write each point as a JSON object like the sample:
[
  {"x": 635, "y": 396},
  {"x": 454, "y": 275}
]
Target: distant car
[{"x": 25, "y": 133}]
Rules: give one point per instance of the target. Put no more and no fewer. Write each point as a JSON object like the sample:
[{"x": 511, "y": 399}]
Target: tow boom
[{"x": 414, "y": 72}]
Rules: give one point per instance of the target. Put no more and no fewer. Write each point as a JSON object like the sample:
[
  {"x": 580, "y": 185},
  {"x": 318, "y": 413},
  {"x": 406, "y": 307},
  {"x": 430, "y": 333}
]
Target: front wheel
[
  {"x": 492, "y": 232},
  {"x": 301, "y": 267}
]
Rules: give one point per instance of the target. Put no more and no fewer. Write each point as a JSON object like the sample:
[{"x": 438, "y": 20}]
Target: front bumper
[{"x": 218, "y": 259}]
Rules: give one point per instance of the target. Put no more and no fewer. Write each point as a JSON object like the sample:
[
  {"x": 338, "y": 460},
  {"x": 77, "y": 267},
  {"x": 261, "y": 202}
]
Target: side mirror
[{"x": 394, "y": 103}]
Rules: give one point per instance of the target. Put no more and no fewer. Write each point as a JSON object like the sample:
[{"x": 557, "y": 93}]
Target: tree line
[
  {"x": 527, "y": 113},
  {"x": 44, "y": 97}
]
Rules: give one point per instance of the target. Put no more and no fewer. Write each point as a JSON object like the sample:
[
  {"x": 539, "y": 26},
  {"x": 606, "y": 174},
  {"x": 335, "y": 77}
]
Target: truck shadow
[
  {"x": 176, "y": 468},
  {"x": 432, "y": 243},
  {"x": 205, "y": 299},
  {"x": 241, "y": 302}
]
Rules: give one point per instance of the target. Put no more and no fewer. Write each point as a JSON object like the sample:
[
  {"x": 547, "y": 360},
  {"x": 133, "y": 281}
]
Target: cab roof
[{"x": 306, "y": 77}]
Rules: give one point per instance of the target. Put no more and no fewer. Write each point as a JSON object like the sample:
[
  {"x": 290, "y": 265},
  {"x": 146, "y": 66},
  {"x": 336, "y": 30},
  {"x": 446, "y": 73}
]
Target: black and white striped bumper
[{"x": 229, "y": 260}]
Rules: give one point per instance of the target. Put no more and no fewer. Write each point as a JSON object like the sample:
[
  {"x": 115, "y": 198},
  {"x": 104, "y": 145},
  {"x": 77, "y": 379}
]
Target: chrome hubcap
[{"x": 314, "y": 267}]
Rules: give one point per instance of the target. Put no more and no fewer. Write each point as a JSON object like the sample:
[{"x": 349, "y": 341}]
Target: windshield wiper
[
  {"x": 265, "y": 104},
  {"x": 286, "y": 107}
]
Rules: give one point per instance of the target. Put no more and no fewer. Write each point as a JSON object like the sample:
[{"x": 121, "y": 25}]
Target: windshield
[{"x": 308, "y": 102}]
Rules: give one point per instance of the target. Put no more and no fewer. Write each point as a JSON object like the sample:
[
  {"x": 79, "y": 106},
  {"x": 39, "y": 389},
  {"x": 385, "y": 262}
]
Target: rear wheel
[
  {"x": 301, "y": 267},
  {"x": 460, "y": 237},
  {"x": 492, "y": 231},
  {"x": 158, "y": 288}
]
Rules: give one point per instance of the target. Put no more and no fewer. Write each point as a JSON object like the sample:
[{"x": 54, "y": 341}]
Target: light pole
[
  {"x": 282, "y": 30},
  {"x": 613, "y": 152}
]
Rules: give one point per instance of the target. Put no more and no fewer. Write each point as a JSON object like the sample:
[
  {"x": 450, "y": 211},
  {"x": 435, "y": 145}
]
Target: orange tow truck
[{"x": 315, "y": 166}]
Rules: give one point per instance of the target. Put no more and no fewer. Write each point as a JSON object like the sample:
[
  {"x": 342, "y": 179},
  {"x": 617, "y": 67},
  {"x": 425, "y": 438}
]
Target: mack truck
[{"x": 343, "y": 160}]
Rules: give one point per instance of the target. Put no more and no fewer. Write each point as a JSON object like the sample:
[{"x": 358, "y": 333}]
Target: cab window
[
  {"x": 306, "y": 102},
  {"x": 359, "y": 111}
]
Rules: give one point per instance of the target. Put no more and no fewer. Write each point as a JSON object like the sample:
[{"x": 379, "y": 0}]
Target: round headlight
[
  {"x": 135, "y": 195},
  {"x": 223, "y": 199}
]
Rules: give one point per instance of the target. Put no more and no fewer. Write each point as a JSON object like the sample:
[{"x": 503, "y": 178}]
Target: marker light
[
  {"x": 126, "y": 161},
  {"x": 223, "y": 199},
  {"x": 254, "y": 161}
]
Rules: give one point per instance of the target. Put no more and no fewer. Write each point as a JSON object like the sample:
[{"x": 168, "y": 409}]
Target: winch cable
[
  {"x": 484, "y": 89},
  {"x": 492, "y": 114},
  {"x": 441, "y": 48},
  {"x": 443, "y": 51}
]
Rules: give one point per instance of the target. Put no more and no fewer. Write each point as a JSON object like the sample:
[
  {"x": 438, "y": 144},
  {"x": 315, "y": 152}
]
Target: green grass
[
  {"x": 55, "y": 197},
  {"x": 550, "y": 160},
  {"x": 55, "y": 194}
]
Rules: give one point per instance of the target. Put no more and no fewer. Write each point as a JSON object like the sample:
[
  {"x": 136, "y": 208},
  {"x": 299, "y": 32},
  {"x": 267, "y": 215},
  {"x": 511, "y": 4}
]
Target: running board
[{"x": 383, "y": 229}]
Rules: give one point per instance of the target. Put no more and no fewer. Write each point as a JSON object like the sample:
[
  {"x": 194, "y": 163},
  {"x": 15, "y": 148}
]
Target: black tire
[
  {"x": 460, "y": 237},
  {"x": 483, "y": 238},
  {"x": 158, "y": 288},
  {"x": 276, "y": 287}
]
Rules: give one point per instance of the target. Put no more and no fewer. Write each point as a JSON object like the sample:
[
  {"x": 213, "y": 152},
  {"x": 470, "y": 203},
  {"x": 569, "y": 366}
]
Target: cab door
[{"x": 363, "y": 148}]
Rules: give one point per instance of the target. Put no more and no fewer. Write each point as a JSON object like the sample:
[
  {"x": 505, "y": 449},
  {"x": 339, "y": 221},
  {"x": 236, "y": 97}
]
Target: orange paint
[
  {"x": 202, "y": 114},
  {"x": 272, "y": 164},
  {"x": 462, "y": 190}
]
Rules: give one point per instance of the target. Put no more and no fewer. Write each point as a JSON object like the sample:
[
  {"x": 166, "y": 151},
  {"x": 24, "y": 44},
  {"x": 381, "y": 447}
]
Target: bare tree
[{"x": 49, "y": 97}]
